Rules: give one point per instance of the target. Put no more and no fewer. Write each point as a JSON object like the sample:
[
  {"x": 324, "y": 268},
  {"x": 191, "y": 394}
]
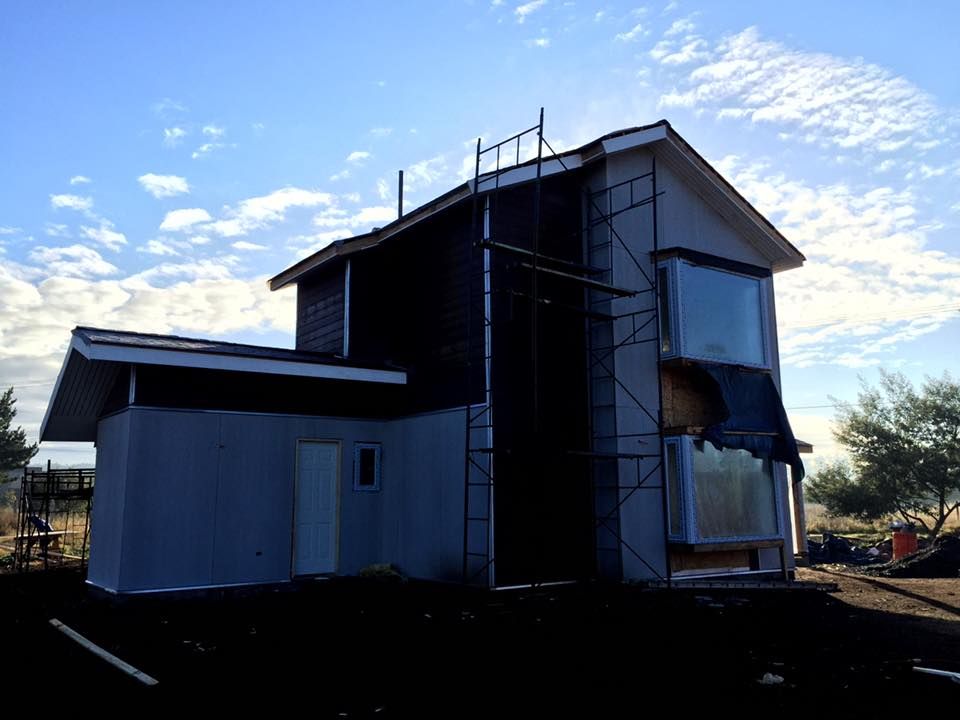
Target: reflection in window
[
  {"x": 663, "y": 290},
  {"x": 711, "y": 314},
  {"x": 673, "y": 489},
  {"x": 735, "y": 495},
  {"x": 722, "y": 315}
]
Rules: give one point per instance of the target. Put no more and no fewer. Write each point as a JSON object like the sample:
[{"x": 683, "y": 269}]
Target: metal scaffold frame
[
  {"x": 602, "y": 316},
  {"x": 53, "y": 509}
]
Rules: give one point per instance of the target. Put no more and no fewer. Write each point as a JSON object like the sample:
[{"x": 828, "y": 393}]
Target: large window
[
  {"x": 712, "y": 314},
  {"x": 717, "y": 496}
]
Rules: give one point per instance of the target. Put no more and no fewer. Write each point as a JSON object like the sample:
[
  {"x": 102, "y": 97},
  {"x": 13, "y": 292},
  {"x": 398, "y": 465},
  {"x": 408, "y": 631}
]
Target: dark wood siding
[
  {"x": 544, "y": 527},
  {"x": 409, "y": 300},
  {"x": 320, "y": 308}
]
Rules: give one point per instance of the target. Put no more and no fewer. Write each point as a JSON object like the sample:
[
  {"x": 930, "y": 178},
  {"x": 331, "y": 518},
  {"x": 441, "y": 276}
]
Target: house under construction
[{"x": 564, "y": 368}]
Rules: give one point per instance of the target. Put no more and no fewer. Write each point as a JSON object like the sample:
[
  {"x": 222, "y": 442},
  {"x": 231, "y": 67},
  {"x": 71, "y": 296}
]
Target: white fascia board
[
  {"x": 237, "y": 363},
  {"x": 635, "y": 139},
  {"x": 74, "y": 345},
  {"x": 527, "y": 173}
]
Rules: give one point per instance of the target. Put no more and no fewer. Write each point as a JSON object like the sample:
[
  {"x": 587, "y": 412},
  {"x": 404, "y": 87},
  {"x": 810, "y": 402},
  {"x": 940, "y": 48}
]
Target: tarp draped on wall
[{"x": 753, "y": 406}]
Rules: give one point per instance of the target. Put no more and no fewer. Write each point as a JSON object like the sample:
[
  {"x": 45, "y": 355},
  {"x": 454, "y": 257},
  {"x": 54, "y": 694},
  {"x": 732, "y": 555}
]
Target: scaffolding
[
  {"x": 53, "y": 519},
  {"x": 616, "y": 319}
]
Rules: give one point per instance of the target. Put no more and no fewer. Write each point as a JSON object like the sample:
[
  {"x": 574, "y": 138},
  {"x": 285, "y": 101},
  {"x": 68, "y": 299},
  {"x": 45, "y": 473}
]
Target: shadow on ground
[{"x": 384, "y": 648}]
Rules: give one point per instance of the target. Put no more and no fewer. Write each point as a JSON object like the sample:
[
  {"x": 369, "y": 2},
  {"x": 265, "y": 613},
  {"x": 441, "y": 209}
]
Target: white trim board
[{"x": 237, "y": 363}]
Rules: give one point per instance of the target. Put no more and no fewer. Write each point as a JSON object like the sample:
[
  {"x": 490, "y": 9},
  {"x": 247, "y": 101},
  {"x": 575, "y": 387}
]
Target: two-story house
[{"x": 564, "y": 368}]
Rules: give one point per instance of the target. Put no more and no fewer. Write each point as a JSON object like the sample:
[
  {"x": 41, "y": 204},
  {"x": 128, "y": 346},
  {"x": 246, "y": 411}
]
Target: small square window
[{"x": 366, "y": 467}]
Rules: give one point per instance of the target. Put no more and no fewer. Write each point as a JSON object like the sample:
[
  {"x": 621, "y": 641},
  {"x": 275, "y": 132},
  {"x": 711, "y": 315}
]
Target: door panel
[{"x": 315, "y": 514}]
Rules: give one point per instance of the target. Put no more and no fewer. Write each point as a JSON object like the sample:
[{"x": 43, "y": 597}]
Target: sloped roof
[
  {"x": 96, "y": 358},
  {"x": 668, "y": 147}
]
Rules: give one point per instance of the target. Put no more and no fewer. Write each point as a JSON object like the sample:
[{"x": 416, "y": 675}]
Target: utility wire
[{"x": 876, "y": 317}]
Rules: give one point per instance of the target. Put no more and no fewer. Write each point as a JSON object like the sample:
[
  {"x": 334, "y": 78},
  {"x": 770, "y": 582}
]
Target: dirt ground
[
  {"x": 380, "y": 648},
  {"x": 913, "y": 601}
]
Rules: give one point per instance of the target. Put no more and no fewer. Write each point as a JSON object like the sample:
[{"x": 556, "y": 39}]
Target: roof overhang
[
  {"x": 663, "y": 141},
  {"x": 90, "y": 370}
]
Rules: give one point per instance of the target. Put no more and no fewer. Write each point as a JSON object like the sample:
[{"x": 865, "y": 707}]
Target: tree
[
  {"x": 14, "y": 451},
  {"x": 904, "y": 449}
]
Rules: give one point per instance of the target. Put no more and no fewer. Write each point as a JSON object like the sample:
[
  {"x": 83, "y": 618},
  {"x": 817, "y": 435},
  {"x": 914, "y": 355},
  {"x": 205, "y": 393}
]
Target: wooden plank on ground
[{"x": 127, "y": 668}]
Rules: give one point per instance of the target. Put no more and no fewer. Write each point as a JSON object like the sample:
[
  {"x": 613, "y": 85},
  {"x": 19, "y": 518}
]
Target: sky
[{"x": 159, "y": 161}]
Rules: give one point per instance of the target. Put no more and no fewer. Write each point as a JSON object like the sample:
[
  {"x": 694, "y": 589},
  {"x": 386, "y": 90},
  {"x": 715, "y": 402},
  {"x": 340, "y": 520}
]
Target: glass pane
[
  {"x": 368, "y": 467},
  {"x": 735, "y": 493},
  {"x": 663, "y": 290},
  {"x": 721, "y": 316},
  {"x": 673, "y": 490}
]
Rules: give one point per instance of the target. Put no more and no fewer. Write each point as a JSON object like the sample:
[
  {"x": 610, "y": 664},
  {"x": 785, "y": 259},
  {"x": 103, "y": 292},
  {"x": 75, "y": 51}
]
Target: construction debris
[
  {"x": 837, "y": 549},
  {"x": 940, "y": 560}
]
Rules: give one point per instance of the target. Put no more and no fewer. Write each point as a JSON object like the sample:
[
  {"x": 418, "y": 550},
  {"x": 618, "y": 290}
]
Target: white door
[{"x": 315, "y": 514}]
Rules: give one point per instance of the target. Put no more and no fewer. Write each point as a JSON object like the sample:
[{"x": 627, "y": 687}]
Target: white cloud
[
  {"x": 56, "y": 230},
  {"x": 198, "y": 239},
  {"x": 383, "y": 190},
  {"x": 632, "y": 34},
  {"x": 522, "y": 11},
  {"x": 173, "y": 136},
  {"x": 358, "y": 156},
  {"x": 206, "y": 149},
  {"x": 213, "y": 131},
  {"x": 367, "y": 217},
  {"x": 670, "y": 7},
  {"x": 679, "y": 27},
  {"x": 185, "y": 218},
  {"x": 104, "y": 235},
  {"x": 259, "y": 212},
  {"x": 73, "y": 261},
  {"x": 540, "y": 42},
  {"x": 599, "y": 15},
  {"x": 168, "y": 107},
  {"x": 244, "y": 245},
  {"x": 381, "y": 132},
  {"x": 832, "y": 100},
  {"x": 161, "y": 186},
  {"x": 72, "y": 202},
  {"x": 422, "y": 174},
  {"x": 342, "y": 175},
  {"x": 661, "y": 49},
  {"x": 79, "y": 180},
  {"x": 693, "y": 50},
  {"x": 306, "y": 245},
  {"x": 7, "y": 230},
  {"x": 158, "y": 247}
]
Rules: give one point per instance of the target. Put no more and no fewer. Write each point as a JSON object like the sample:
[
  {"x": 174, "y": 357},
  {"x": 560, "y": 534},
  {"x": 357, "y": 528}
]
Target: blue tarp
[{"x": 753, "y": 406}]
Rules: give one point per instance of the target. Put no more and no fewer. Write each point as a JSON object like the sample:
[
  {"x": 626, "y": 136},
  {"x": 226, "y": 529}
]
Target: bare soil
[
  {"x": 912, "y": 601},
  {"x": 384, "y": 648}
]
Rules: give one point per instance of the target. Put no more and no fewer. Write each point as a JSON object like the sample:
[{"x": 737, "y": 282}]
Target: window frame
[
  {"x": 358, "y": 447},
  {"x": 676, "y": 314},
  {"x": 690, "y": 532}
]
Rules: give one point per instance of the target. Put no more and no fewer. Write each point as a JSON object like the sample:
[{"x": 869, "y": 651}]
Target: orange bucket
[{"x": 904, "y": 543}]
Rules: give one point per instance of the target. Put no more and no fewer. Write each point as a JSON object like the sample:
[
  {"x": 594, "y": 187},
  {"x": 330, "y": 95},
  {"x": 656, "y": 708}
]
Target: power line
[
  {"x": 32, "y": 383},
  {"x": 877, "y": 317}
]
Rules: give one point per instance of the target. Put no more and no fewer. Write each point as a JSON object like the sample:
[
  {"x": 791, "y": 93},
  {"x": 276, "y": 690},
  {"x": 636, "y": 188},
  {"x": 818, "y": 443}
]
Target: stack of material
[
  {"x": 836, "y": 549},
  {"x": 941, "y": 559}
]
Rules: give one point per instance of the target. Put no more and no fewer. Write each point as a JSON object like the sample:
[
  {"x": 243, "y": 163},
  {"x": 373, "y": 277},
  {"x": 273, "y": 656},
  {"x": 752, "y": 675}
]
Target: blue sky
[{"x": 160, "y": 161}]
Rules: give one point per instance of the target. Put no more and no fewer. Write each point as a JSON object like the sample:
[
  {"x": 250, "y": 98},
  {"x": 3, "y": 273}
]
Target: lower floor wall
[
  {"x": 188, "y": 499},
  {"x": 193, "y": 499}
]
